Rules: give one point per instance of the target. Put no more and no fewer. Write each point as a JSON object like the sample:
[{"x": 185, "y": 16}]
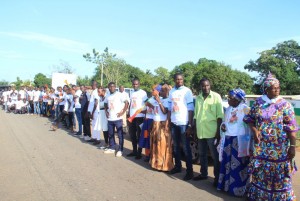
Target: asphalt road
[{"x": 37, "y": 164}]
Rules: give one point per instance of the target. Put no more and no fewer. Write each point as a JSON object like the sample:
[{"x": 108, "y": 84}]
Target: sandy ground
[{"x": 38, "y": 164}]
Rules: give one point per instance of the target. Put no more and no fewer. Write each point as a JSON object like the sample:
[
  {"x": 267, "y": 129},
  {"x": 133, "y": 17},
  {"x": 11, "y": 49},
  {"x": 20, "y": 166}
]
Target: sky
[{"x": 37, "y": 36}]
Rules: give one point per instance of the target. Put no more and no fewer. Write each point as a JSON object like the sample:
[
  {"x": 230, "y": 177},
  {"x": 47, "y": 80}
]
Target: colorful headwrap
[
  {"x": 238, "y": 94},
  {"x": 269, "y": 81},
  {"x": 158, "y": 87}
]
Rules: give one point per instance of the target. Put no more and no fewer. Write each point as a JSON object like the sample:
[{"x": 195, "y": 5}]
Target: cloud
[
  {"x": 51, "y": 41},
  {"x": 10, "y": 55}
]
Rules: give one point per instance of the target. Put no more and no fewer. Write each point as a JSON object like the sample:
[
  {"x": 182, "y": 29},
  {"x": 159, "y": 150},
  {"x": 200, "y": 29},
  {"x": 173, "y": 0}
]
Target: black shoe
[
  {"x": 188, "y": 176},
  {"x": 77, "y": 133},
  {"x": 147, "y": 159},
  {"x": 215, "y": 184},
  {"x": 199, "y": 177},
  {"x": 175, "y": 170},
  {"x": 138, "y": 156},
  {"x": 131, "y": 154},
  {"x": 91, "y": 140},
  {"x": 96, "y": 142}
]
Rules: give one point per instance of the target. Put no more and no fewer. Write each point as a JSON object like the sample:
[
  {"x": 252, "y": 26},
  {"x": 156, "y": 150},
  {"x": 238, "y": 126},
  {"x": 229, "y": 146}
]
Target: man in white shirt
[
  {"x": 180, "y": 113},
  {"x": 78, "y": 109},
  {"x": 94, "y": 99},
  {"x": 5, "y": 98},
  {"x": 29, "y": 94},
  {"x": 125, "y": 96},
  {"x": 115, "y": 106},
  {"x": 22, "y": 92},
  {"x": 137, "y": 101},
  {"x": 36, "y": 103}
]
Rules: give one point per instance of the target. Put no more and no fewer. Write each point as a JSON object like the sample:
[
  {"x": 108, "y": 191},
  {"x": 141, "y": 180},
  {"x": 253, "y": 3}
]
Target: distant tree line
[{"x": 283, "y": 61}]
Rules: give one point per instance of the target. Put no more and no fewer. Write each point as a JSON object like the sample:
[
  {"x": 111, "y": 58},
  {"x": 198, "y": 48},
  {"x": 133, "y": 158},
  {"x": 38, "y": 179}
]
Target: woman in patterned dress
[
  {"x": 161, "y": 147},
  {"x": 234, "y": 146},
  {"x": 273, "y": 123}
]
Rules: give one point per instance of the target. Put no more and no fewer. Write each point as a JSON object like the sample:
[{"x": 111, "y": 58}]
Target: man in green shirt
[{"x": 207, "y": 120}]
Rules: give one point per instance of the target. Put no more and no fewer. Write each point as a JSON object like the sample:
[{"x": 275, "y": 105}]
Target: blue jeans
[
  {"x": 79, "y": 119},
  {"x": 44, "y": 108},
  {"x": 36, "y": 107},
  {"x": 179, "y": 135},
  {"x": 118, "y": 124},
  {"x": 203, "y": 145},
  {"x": 6, "y": 106}
]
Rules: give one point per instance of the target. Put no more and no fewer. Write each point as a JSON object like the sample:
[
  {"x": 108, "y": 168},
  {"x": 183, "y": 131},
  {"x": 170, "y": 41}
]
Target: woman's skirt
[
  {"x": 161, "y": 147},
  {"x": 233, "y": 176},
  {"x": 271, "y": 180}
]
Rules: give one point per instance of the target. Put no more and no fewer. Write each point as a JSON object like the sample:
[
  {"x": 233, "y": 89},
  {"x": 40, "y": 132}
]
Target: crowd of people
[{"x": 253, "y": 149}]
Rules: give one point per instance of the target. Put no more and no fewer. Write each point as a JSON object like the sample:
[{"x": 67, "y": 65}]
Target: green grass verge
[{"x": 298, "y": 133}]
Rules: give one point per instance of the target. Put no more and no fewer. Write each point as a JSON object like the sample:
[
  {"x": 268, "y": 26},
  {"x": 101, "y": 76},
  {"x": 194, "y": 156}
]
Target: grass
[{"x": 298, "y": 133}]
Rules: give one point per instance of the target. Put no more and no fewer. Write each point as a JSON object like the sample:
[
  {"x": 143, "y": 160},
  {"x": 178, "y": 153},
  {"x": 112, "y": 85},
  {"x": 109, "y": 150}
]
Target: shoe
[
  {"x": 199, "y": 177},
  {"x": 87, "y": 138},
  {"x": 138, "y": 156},
  {"x": 96, "y": 142},
  {"x": 188, "y": 176},
  {"x": 109, "y": 151},
  {"x": 81, "y": 136},
  {"x": 119, "y": 154},
  {"x": 175, "y": 170},
  {"x": 215, "y": 184},
  {"x": 147, "y": 159},
  {"x": 92, "y": 140},
  {"x": 131, "y": 154}
]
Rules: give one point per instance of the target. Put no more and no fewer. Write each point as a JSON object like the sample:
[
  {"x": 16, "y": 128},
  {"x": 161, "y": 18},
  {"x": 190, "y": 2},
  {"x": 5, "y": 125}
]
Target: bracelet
[
  {"x": 292, "y": 145},
  {"x": 159, "y": 103}
]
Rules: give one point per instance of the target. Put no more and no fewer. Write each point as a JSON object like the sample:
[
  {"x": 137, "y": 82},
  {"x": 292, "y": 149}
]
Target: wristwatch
[{"x": 189, "y": 125}]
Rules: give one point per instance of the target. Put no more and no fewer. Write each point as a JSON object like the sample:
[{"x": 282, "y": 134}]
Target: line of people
[{"x": 253, "y": 149}]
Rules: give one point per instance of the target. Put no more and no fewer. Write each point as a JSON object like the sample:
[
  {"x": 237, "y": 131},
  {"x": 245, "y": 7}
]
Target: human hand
[
  {"x": 257, "y": 137},
  {"x": 189, "y": 132},
  {"x": 223, "y": 127},
  {"x": 291, "y": 152}
]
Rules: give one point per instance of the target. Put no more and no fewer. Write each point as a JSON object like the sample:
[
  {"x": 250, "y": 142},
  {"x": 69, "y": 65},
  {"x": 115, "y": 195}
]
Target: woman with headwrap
[
  {"x": 273, "y": 123},
  {"x": 161, "y": 147},
  {"x": 234, "y": 146}
]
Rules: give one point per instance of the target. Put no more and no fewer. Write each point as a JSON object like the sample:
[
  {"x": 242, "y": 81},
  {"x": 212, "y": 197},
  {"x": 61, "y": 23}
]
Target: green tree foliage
[
  {"x": 284, "y": 62},
  {"x": 41, "y": 80},
  {"x": 4, "y": 83},
  {"x": 188, "y": 69},
  {"x": 221, "y": 76},
  {"x": 86, "y": 81},
  {"x": 163, "y": 74},
  {"x": 113, "y": 67},
  {"x": 18, "y": 83}
]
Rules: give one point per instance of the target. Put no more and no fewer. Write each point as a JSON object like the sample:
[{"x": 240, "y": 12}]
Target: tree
[
  {"x": 63, "y": 67},
  {"x": 41, "y": 80},
  {"x": 18, "y": 83},
  {"x": 283, "y": 61},
  {"x": 163, "y": 74},
  {"x": 188, "y": 69},
  {"x": 221, "y": 76},
  {"x": 4, "y": 83},
  {"x": 113, "y": 67},
  {"x": 86, "y": 81}
]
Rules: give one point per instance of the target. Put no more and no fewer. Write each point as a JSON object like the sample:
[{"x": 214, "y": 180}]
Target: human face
[
  {"x": 82, "y": 88},
  {"x": 232, "y": 101},
  {"x": 273, "y": 91},
  {"x": 205, "y": 87},
  {"x": 121, "y": 89},
  {"x": 94, "y": 85},
  {"x": 178, "y": 80},
  {"x": 135, "y": 84},
  {"x": 163, "y": 92},
  {"x": 112, "y": 88}
]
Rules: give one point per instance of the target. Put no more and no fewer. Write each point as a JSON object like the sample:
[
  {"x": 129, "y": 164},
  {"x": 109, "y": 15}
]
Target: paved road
[{"x": 38, "y": 165}]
